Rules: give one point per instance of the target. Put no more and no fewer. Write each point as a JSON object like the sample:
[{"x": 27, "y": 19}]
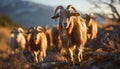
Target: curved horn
[
  {"x": 72, "y": 7},
  {"x": 39, "y": 28},
  {"x": 57, "y": 8},
  {"x": 91, "y": 14},
  {"x": 20, "y": 30},
  {"x": 31, "y": 29}
]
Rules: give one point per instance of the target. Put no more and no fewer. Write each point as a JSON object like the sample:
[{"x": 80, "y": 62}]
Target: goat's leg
[
  {"x": 80, "y": 53},
  {"x": 92, "y": 35},
  {"x": 41, "y": 55},
  {"x": 44, "y": 53},
  {"x": 33, "y": 56},
  {"x": 36, "y": 56},
  {"x": 89, "y": 36},
  {"x": 71, "y": 55}
]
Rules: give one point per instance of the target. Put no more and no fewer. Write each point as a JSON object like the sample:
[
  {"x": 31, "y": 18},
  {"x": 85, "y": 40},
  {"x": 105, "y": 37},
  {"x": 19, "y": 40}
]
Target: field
[{"x": 101, "y": 53}]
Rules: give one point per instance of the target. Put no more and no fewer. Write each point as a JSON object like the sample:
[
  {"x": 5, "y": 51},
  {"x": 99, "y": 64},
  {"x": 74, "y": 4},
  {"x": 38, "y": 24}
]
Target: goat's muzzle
[{"x": 64, "y": 25}]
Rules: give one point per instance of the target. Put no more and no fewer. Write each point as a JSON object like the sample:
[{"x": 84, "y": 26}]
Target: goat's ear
[
  {"x": 75, "y": 14},
  {"x": 55, "y": 16}
]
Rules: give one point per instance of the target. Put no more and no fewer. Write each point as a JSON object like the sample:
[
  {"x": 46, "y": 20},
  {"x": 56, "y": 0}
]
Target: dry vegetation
[{"x": 101, "y": 53}]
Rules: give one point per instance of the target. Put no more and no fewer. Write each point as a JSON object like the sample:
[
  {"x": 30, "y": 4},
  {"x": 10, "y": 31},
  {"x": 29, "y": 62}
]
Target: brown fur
[
  {"x": 92, "y": 27},
  {"x": 55, "y": 35},
  {"x": 38, "y": 46},
  {"x": 48, "y": 32},
  {"x": 74, "y": 34}
]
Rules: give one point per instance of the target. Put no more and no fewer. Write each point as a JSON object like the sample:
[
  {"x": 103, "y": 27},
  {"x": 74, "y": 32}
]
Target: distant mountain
[
  {"x": 7, "y": 22},
  {"x": 27, "y": 13}
]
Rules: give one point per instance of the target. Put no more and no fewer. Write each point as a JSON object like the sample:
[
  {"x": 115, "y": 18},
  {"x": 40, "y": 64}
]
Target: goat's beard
[
  {"x": 64, "y": 32},
  {"x": 65, "y": 38},
  {"x": 36, "y": 42}
]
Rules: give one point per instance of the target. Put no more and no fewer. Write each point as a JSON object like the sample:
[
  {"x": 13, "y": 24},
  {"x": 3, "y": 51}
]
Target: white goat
[{"x": 17, "y": 39}]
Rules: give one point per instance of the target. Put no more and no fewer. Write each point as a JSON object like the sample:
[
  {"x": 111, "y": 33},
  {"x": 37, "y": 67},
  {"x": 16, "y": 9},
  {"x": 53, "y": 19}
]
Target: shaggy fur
[
  {"x": 53, "y": 37},
  {"x": 92, "y": 26},
  {"x": 48, "y": 32},
  {"x": 56, "y": 37},
  {"x": 17, "y": 39},
  {"x": 38, "y": 44},
  {"x": 73, "y": 32}
]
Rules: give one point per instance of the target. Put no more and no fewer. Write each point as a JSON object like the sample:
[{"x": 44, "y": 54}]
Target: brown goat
[
  {"x": 73, "y": 31},
  {"x": 92, "y": 26},
  {"x": 48, "y": 32},
  {"x": 37, "y": 43},
  {"x": 56, "y": 37},
  {"x": 52, "y": 34}
]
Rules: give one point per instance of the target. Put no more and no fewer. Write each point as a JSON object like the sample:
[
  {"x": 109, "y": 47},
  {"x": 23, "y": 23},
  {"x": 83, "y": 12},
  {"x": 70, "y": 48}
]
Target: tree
[{"x": 112, "y": 4}]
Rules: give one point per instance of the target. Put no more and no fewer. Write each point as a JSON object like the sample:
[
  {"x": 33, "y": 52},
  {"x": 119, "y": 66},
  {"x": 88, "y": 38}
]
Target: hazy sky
[{"x": 82, "y": 5}]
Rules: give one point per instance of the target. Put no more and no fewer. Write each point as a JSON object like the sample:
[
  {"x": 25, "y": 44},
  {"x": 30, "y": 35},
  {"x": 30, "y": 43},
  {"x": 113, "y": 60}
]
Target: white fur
[{"x": 17, "y": 39}]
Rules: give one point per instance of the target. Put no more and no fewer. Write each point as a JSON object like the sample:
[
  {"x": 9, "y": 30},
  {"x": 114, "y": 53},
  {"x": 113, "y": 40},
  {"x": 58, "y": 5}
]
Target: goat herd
[{"x": 71, "y": 34}]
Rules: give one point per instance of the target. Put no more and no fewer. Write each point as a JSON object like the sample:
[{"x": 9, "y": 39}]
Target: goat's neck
[
  {"x": 70, "y": 27},
  {"x": 20, "y": 37}
]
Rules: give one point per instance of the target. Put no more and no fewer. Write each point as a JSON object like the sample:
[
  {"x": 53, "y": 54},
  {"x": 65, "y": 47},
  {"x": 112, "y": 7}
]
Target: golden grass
[{"x": 4, "y": 38}]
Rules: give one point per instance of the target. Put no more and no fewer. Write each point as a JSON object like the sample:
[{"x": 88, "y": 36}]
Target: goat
[
  {"x": 17, "y": 40},
  {"x": 37, "y": 42},
  {"x": 52, "y": 34},
  {"x": 48, "y": 32},
  {"x": 92, "y": 26},
  {"x": 56, "y": 38},
  {"x": 72, "y": 30}
]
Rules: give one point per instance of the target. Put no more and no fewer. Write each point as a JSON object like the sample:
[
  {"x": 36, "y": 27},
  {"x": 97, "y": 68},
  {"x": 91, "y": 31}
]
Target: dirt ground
[{"x": 101, "y": 53}]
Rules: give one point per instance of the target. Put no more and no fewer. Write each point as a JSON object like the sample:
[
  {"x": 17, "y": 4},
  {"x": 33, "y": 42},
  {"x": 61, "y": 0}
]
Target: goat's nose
[
  {"x": 34, "y": 38},
  {"x": 65, "y": 24}
]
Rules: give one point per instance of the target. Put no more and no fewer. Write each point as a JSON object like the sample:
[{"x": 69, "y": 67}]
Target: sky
[{"x": 82, "y": 5}]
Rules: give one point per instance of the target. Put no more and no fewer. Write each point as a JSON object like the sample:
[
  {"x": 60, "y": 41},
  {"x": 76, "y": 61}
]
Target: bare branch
[{"x": 109, "y": 3}]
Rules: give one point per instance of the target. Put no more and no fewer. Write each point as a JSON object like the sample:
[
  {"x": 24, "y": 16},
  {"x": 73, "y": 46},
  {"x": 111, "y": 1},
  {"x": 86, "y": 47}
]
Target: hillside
[
  {"x": 27, "y": 13},
  {"x": 101, "y": 53},
  {"x": 7, "y": 22}
]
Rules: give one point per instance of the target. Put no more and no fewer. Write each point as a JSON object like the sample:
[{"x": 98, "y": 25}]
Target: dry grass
[{"x": 4, "y": 38}]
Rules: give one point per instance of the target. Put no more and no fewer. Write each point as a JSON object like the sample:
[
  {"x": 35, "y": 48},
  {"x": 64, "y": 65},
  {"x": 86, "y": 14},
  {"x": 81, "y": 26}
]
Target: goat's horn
[
  {"x": 57, "y": 8},
  {"x": 72, "y": 7},
  {"x": 31, "y": 28},
  {"x": 39, "y": 28},
  {"x": 91, "y": 14},
  {"x": 20, "y": 30}
]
